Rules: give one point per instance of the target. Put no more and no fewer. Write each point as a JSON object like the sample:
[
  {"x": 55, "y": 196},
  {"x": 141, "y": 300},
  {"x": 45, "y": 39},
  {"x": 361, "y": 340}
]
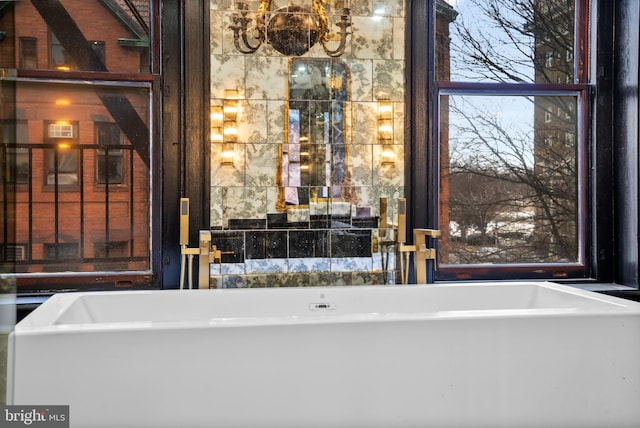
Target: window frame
[
  {"x": 551, "y": 271},
  {"x": 103, "y": 154},
  {"x": 422, "y": 137},
  {"x": 31, "y": 56},
  {"x": 43, "y": 284},
  {"x": 54, "y": 157}
]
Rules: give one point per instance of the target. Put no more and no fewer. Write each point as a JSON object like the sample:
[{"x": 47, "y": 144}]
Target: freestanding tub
[{"x": 491, "y": 355}]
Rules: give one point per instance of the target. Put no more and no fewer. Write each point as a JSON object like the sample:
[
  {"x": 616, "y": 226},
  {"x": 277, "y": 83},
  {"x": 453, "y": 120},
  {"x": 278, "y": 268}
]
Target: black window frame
[
  {"x": 611, "y": 226},
  {"x": 42, "y": 285}
]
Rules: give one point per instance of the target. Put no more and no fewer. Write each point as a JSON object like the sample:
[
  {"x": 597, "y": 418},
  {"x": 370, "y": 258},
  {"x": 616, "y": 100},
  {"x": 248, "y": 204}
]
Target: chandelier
[{"x": 290, "y": 30}]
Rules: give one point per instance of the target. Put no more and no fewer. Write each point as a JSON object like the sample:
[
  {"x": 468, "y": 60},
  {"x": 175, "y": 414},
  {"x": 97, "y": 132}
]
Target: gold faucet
[
  {"x": 206, "y": 252},
  {"x": 423, "y": 252},
  {"x": 421, "y": 247}
]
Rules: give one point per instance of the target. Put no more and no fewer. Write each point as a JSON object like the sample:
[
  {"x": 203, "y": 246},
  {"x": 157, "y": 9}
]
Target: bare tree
[{"x": 520, "y": 177}]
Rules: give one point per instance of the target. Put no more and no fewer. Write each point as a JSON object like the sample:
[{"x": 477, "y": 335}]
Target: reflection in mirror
[{"x": 313, "y": 161}]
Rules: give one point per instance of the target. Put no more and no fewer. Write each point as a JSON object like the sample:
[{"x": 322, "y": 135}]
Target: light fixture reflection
[
  {"x": 291, "y": 30},
  {"x": 385, "y": 131}
]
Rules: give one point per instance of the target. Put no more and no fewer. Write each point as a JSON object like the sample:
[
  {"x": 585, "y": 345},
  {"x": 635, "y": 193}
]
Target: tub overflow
[{"x": 325, "y": 306}]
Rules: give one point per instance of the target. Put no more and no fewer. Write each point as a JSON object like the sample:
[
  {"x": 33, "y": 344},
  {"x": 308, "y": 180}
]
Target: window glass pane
[
  {"x": 16, "y": 159},
  {"x": 73, "y": 40},
  {"x": 506, "y": 41},
  {"x": 28, "y": 53},
  {"x": 109, "y": 159},
  {"x": 67, "y": 136},
  {"x": 509, "y": 188}
]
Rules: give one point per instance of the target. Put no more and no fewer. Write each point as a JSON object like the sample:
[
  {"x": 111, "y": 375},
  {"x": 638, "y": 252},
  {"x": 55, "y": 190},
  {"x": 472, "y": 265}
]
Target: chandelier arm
[
  {"x": 241, "y": 24},
  {"x": 338, "y": 51},
  {"x": 245, "y": 47},
  {"x": 344, "y": 24}
]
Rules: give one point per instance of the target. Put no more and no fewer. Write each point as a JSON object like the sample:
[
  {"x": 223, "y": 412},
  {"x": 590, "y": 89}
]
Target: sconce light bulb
[
  {"x": 227, "y": 155},
  {"x": 216, "y": 116},
  {"x": 389, "y": 156},
  {"x": 385, "y": 129},
  {"x": 230, "y": 131}
]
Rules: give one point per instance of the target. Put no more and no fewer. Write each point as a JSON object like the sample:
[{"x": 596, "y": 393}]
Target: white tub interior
[
  {"x": 503, "y": 354},
  {"x": 314, "y": 302}
]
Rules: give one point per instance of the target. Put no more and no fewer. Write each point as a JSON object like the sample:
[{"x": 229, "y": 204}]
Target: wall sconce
[
  {"x": 385, "y": 122},
  {"x": 224, "y": 126},
  {"x": 217, "y": 120},
  {"x": 385, "y": 131},
  {"x": 227, "y": 154},
  {"x": 388, "y": 156},
  {"x": 290, "y": 30}
]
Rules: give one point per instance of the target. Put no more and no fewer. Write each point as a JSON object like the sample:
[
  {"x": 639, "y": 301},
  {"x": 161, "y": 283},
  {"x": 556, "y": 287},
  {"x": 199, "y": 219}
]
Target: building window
[
  {"x": 98, "y": 48},
  {"x": 109, "y": 158},
  {"x": 510, "y": 193},
  {"x": 62, "y": 158},
  {"x": 28, "y": 52},
  {"x": 548, "y": 62},
  {"x": 59, "y": 58},
  {"x": 14, "y": 140},
  {"x": 61, "y": 251},
  {"x": 90, "y": 134}
]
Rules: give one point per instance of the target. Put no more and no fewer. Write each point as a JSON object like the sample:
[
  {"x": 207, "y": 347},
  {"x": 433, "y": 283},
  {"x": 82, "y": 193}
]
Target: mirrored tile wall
[{"x": 304, "y": 148}]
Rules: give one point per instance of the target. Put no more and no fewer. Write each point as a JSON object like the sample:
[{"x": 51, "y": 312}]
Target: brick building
[{"x": 76, "y": 177}]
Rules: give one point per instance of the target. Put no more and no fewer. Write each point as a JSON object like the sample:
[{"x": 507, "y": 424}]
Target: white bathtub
[{"x": 491, "y": 355}]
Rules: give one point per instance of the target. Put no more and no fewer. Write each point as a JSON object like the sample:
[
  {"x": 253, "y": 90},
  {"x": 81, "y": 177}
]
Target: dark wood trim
[
  {"x": 83, "y": 75},
  {"x": 510, "y": 88},
  {"x": 172, "y": 142},
  {"x": 51, "y": 283},
  {"x": 419, "y": 156},
  {"x": 196, "y": 109},
  {"x": 499, "y": 272},
  {"x": 602, "y": 148},
  {"x": 625, "y": 127},
  {"x": 185, "y": 127}
]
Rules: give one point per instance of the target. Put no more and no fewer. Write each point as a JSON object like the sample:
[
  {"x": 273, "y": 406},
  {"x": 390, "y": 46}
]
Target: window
[
  {"x": 548, "y": 62},
  {"x": 14, "y": 151},
  {"x": 61, "y": 251},
  {"x": 512, "y": 140},
  {"x": 62, "y": 158},
  {"x": 82, "y": 175},
  {"x": 28, "y": 52},
  {"x": 98, "y": 48},
  {"x": 59, "y": 58},
  {"x": 109, "y": 158}
]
